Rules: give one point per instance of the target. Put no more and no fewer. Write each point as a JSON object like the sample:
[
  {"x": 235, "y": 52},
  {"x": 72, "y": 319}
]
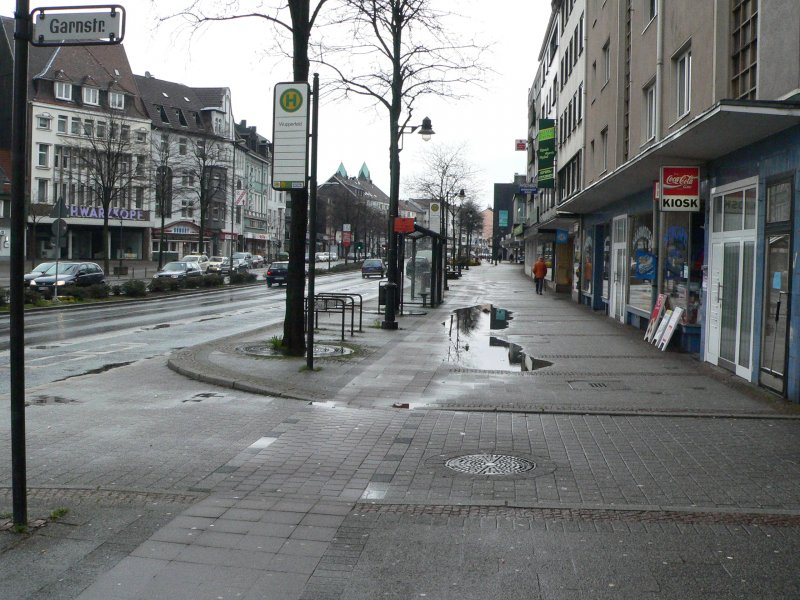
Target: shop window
[
  {"x": 779, "y": 202},
  {"x": 606, "y": 260},
  {"x": 683, "y": 262},
  {"x": 588, "y": 259},
  {"x": 643, "y": 266}
]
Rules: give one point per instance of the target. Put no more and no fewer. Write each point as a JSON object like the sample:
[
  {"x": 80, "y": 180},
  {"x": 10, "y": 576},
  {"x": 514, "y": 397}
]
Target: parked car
[
  {"x": 321, "y": 256},
  {"x": 179, "y": 269},
  {"x": 39, "y": 270},
  {"x": 246, "y": 257},
  {"x": 373, "y": 266},
  {"x": 277, "y": 272},
  {"x": 200, "y": 259},
  {"x": 257, "y": 261},
  {"x": 69, "y": 273},
  {"x": 215, "y": 264}
]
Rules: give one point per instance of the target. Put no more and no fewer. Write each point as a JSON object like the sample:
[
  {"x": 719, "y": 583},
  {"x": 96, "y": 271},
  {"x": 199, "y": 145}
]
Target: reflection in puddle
[{"x": 473, "y": 346}]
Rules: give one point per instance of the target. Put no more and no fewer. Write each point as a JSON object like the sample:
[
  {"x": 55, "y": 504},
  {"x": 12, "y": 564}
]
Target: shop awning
[
  {"x": 560, "y": 220},
  {"x": 724, "y": 128}
]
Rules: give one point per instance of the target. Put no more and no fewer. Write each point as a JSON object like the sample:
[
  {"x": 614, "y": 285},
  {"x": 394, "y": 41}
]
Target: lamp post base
[{"x": 389, "y": 325}]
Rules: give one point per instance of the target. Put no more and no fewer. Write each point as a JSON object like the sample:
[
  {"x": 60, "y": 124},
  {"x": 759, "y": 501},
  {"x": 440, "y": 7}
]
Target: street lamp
[{"x": 426, "y": 131}]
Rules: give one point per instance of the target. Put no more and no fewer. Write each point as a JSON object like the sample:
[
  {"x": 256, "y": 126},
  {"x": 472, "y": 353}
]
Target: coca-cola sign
[{"x": 680, "y": 188}]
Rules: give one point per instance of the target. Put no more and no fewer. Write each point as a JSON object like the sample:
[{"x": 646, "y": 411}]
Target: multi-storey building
[
  {"x": 192, "y": 154},
  {"x": 88, "y": 137},
  {"x": 713, "y": 86},
  {"x": 264, "y": 221}
]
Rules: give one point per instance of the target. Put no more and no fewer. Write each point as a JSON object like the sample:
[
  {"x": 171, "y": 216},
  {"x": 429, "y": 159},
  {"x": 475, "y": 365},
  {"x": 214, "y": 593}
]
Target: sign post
[
  {"x": 50, "y": 27},
  {"x": 290, "y": 136}
]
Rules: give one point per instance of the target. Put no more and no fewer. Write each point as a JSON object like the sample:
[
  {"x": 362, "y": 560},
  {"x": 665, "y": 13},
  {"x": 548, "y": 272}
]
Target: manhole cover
[{"x": 489, "y": 464}]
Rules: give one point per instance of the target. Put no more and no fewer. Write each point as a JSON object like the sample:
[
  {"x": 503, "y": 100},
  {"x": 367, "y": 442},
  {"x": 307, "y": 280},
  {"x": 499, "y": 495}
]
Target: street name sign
[
  {"x": 81, "y": 26},
  {"x": 528, "y": 188},
  {"x": 290, "y": 136}
]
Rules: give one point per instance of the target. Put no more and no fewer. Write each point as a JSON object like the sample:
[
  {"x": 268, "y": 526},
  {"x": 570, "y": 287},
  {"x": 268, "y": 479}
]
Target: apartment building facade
[{"x": 712, "y": 86}]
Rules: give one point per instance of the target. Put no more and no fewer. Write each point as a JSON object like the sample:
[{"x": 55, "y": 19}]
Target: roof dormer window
[
  {"x": 162, "y": 113},
  {"x": 181, "y": 117},
  {"x": 63, "y": 90},
  {"x": 91, "y": 95},
  {"x": 116, "y": 100}
]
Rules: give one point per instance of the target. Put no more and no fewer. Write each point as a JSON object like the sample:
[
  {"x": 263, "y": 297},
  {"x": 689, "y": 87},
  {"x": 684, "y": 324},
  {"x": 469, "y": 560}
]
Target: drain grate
[
  {"x": 609, "y": 384},
  {"x": 489, "y": 464}
]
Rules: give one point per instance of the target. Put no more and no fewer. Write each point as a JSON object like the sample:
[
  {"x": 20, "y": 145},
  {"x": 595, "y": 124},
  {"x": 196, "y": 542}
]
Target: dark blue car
[{"x": 373, "y": 266}]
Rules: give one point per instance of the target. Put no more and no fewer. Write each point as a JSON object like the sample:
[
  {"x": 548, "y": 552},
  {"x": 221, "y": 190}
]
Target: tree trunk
[{"x": 293, "y": 322}]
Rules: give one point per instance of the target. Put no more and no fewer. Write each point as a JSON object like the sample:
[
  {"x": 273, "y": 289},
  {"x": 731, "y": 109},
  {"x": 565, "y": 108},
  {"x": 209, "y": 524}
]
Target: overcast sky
[{"x": 232, "y": 55}]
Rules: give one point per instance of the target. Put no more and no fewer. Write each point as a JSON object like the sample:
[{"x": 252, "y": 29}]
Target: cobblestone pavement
[{"x": 676, "y": 481}]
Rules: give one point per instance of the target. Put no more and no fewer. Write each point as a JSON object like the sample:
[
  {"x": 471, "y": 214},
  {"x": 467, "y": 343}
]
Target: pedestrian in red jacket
[{"x": 539, "y": 270}]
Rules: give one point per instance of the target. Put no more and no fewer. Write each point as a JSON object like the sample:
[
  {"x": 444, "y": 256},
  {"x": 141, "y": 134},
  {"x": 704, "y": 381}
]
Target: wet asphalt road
[{"x": 63, "y": 343}]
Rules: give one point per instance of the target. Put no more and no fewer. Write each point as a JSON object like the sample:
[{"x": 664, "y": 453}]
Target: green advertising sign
[
  {"x": 546, "y": 153},
  {"x": 503, "y": 218}
]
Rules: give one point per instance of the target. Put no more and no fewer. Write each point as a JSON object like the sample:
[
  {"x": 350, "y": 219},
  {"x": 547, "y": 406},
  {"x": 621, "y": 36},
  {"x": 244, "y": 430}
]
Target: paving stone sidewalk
[{"x": 674, "y": 480}]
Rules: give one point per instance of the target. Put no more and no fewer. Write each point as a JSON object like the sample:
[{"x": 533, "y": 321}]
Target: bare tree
[
  {"x": 293, "y": 19},
  {"x": 207, "y": 161},
  {"x": 469, "y": 221},
  {"x": 105, "y": 155},
  {"x": 447, "y": 172},
  {"x": 400, "y": 51},
  {"x": 34, "y": 213},
  {"x": 164, "y": 165}
]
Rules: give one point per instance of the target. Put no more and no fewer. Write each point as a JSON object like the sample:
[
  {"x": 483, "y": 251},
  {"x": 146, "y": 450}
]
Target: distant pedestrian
[{"x": 539, "y": 270}]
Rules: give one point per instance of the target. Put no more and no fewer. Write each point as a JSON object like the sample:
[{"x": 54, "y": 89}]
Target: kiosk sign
[
  {"x": 82, "y": 26},
  {"x": 680, "y": 189}
]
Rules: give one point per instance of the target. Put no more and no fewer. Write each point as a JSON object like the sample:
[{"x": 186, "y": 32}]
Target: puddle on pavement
[{"x": 473, "y": 345}]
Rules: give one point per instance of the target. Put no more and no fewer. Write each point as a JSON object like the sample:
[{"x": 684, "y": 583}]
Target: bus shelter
[{"x": 422, "y": 267}]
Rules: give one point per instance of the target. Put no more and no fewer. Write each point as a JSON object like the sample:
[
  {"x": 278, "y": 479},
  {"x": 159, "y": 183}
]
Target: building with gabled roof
[{"x": 81, "y": 98}]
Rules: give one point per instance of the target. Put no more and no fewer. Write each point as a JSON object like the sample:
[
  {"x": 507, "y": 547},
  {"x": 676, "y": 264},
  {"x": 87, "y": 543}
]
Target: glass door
[
  {"x": 776, "y": 313},
  {"x": 619, "y": 270},
  {"x": 729, "y": 342}
]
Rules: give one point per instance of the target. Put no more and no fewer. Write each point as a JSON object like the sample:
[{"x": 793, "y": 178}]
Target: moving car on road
[
  {"x": 215, "y": 264},
  {"x": 179, "y": 269},
  {"x": 277, "y": 272},
  {"x": 69, "y": 273},
  {"x": 245, "y": 257},
  {"x": 373, "y": 266},
  {"x": 200, "y": 259},
  {"x": 258, "y": 261}
]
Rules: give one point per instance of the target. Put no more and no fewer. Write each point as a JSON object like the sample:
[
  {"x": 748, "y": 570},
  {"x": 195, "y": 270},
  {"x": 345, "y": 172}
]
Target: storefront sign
[
  {"x": 92, "y": 212},
  {"x": 655, "y": 316},
  {"x": 502, "y": 218},
  {"x": 518, "y": 229},
  {"x": 562, "y": 236},
  {"x": 546, "y": 154},
  {"x": 521, "y": 145},
  {"x": 680, "y": 189}
]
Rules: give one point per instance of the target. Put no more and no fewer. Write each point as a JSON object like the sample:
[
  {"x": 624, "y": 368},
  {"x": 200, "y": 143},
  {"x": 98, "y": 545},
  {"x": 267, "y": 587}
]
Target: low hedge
[
  {"x": 93, "y": 292},
  {"x": 165, "y": 284},
  {"x": 213, "y": 280},
  {"x": 135, "y": 288},
  {"x": 242, "y": 278}
]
